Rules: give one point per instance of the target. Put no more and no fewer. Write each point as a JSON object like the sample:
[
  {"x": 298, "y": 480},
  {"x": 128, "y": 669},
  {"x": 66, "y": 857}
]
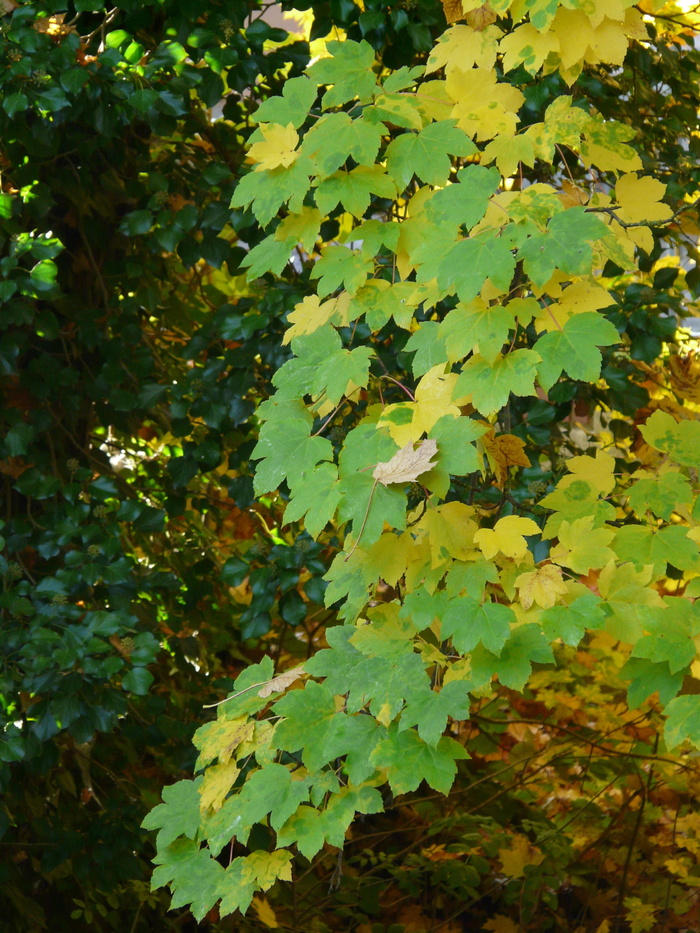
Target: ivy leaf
[
  {"x": 565, "y": 245},
  {"x": 575, "y": 348},
  {"x": 298, "y": 94},
  {"x": 490, "y": 385},
  {"x": 469, "y": 622},
  {"x": 430, "y": 710},
  {"x": 349, "y": 70},
  {"x": 409, "y": 760},
  {"x": 194, "y": 876},
  {"x": 426, "y": 154}
]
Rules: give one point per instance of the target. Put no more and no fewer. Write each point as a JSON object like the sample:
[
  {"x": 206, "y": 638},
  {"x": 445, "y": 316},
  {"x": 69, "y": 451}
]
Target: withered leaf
[
  {"x": 281, "y": 682},
  {"x": 408, "y": 464}
]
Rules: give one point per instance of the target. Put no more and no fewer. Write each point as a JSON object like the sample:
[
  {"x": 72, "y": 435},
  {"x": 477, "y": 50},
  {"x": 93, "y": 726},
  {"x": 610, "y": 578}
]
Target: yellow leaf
[
  {"x": 508, "y": 152},
  {"x": 309, "y": 315},
  {"x": 580, "y": 296},
  {"x": 501, "y": 924},
  {"x": 433, "y": 399},
  {"x": 527, "y": 46},
  {"x": 520, "y": 854},
  {"x": 408, "y": 464},
  {"x": 264, "y": 868},
  {"x": 221, "y": 737},
  {"x": 506, "y": 537},
  {"x": 276, "y": 148},
  {"x": 265, "y": 913},
  {"x": 303, "y": 227},
  {"x": 259, "y": 743},
  {"x": 389, "y": 555},
  {"x": 451, "y": 529},
  {"x": 598, "y": 471},
  {"x": 582, "y": 547},
  {"x": 218, "y": 781},
  {"x": 281, "y": 682},
  {"x": 543, "y": 586},
  {"x": 483, "y": 108},
  {"x": 503, "y": 451},
  {"x": 640, "y": 199},
  {"x": 462, "y": 47},
  {"x": 639, "y": 915}
]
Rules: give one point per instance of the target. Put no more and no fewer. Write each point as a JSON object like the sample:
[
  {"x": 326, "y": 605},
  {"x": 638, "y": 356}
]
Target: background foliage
[{"x": 141, "y": 574}]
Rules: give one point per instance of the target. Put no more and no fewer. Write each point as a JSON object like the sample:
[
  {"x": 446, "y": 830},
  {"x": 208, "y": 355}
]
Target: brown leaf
[
  {"x": 503, "y": 452},
  {"x": 281, "y": 682},
  {"x": 408, "y": 464},
  {"x": 481, "y": 18},
  {"x": 453, "y": 11}
]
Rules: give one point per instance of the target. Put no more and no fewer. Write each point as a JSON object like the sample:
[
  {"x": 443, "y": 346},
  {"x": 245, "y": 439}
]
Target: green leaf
[
  {"x": 349, "y": 70},
  {"x": 456, "y": 453},
  {"x": 683, "y": 721},
  {"x": 408, "y": 760},
  {"x": 271, "y": 791},
  {"x": 565, "y": 245},
  {"x": 637, "y": 543},
  {"x": 195, "y": 877},
  {"x": 469, "y": 328},
  {"x": 525, "y": 645},
  {"x": 671, "y": 634},
  {"x": 469, "y": 622},
  {"x": 286, "y": 448},
  {"x": 298, "y": 95},
  {"x": 265, "y": 192},
  {"x": 340, "y": 267},
  {"x": 428, "y": 346},
  {"x": 575, "y": 348},
  {"x": 571, "y": 622},
  {"x": 426, "y": 154},
  {"x": 430, "y": 710},
  {"x": 647, "y": 677},
  {"x": 659, "y": 493},
  {"x": 470, "y": 262},
  {"x": 178, "y": 815},
  {"x": 490, "y": 385},
  {"x": 366, "y": 502},
  {"x": 464, "y": 202},
  {"x": 354, "y": 189},
  {"x": 315, "y": 496},
  {"x": 310, "y": 724},
  {"x": 336, "y": 136}
]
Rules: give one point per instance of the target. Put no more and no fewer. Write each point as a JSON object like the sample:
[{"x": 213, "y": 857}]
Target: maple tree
[{"x": 447, "y": 236}]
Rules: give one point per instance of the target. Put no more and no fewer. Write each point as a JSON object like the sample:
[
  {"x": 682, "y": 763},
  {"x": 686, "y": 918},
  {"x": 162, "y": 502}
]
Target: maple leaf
[
  {"x": 292, "y": 107},
  {"x": 680, "y": 440},
  {"x": 503, "y": 451},
  {"x": 276, "y": 148},
  {"x": 518, "y": 856},
  {"x": 506, "y": 537},
  {"x": 217, "y": 782},
  {"x": 452, "y": 10},
  {"x": 341, "y": 267},
  {"x": 336, "y": 136},
  {"x": 671, "y": 635},
  {"x": 543, "y": 586},
  {"x": 571, "y": 622},
  {"x": 178, "y": 815},
  {"x": 408, "y": 464},
  {"x": 354, "y": 189},
  {"x": 640, "y": 199},
  {"x": 272, "y": 791},
  {"x": 484, "y": 107},
  {"x": 221, "y": 738},
  {"x": 266, "y": 191},
  {"x": 476, "y": 326},
  {"x": 408, "y": 760},
  {"x": 574, "y": 348},
  {"x": 469, "y": 623},
  {"x": 426, "y": 154},
  {"x": 682, "y": 721},
  {"x": 490, "y": 385},
  {"x": 581, "y": 546},
  {"x": 429, "y": 710},
  {"x": 463, "y": 47},
  {"x": 514, "y": 664},
  {"x": 659, "y": 493},
  {"x": 470, "y": 262},
  {"x": 195, "y": 877},
  {"x": 349, "y": 70},
  {"x": 285, "y": 446},
  {"x": 315, "y": 498}
]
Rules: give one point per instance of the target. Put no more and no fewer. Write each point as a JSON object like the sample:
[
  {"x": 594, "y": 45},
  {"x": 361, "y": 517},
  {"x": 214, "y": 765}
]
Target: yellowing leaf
[
  {"x": 520, "y": 854},
  {"x": 581, "y": 546},
  {"x": 276, "y": 148},
  {"x": 501, "y": 924},
  {"x": 266, "y": 867},
  {"x": 527, "y": 46},
  {"x": 598, "y": 471},
  {"x": 218, "y": 781},
  {"x": 581, "y": 296},
  {"x": 408, "y": 421},
  {"x": 640, "y": 199},
  {"x": 543, "y": 586},
  {"x": 266, "y": 914},
  {"x": 506, "y": 537},
  {"x": 450, "y": 528},
  {"x": 463, "y": 47},
  {"x": 309, "y": 315},
  {"x": 408, "y": 464},
  {"x": 281, "y": 682},
  {"x": 221, "y": 738}
]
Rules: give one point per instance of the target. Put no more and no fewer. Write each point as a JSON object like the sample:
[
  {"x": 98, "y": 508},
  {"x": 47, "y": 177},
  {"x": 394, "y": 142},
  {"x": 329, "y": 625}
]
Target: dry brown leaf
[
  {"x": 408, "y": 464},
  {"x": 453, "y": 11},
  {"x": 481, "y": 18},
  {"x": 281, "y": 682},
  {"x": 503, "y": 452}
]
